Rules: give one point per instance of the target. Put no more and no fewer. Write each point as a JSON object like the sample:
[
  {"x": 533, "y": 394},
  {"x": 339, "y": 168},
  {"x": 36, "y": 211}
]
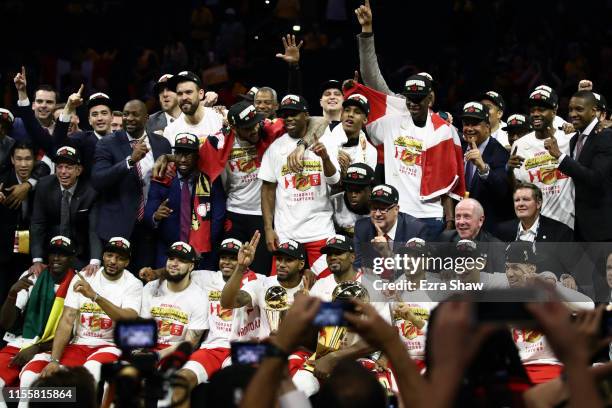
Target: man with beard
[
  {"x": 99, "y": 116},
  {"x": 353, "y": 146},
  {"x": 92, "y": 306},
  {"x": 588, "y": 164},
  {"x": 225, "y": 325},
  {"x": 532, "y": 163},
  {"x": 296, "y": 206},
  {"x": 195, "y": 118},
  {"x": 169, "y": 207},
  {"x": 290, "y": 260},
  {"x": 177, "y": 304},
  {"x": 170, "y": 109},
  {"x": 352, "y": 204},
  {"x": 27, "y": 310},
  {"x": 122, "y": 175}
]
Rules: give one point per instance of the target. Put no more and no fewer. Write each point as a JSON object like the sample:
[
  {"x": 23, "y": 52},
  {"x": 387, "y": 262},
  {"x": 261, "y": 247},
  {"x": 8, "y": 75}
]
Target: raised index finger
[
  {"x": 23, "y": 71},
  {"x": 80, "y": 91},
  {"x": 367, "y": 3},
  {"x": 379, "y": 232},
  {"x": 80, "y": 276}
]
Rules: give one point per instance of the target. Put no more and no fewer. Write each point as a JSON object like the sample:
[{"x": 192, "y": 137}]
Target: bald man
[
  {"x": 122, "y": 175},
  {"x": 469, "y": 218}
]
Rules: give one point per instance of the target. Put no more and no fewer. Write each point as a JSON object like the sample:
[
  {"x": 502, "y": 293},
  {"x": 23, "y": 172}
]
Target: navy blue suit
[
  {"x": 493, "y": 193},
  {"x": 168, "y": 229},
  {"x": 119, "y": 186},
  {"x": 407, "y": 227}
]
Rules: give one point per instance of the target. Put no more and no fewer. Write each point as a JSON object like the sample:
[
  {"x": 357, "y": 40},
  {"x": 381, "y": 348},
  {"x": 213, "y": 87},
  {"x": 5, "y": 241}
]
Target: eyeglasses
[{"x": 383, "y": 211}]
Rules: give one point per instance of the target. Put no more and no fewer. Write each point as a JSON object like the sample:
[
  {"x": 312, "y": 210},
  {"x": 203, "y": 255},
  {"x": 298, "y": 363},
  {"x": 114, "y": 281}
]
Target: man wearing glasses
[{"x": 386, "y": 228}]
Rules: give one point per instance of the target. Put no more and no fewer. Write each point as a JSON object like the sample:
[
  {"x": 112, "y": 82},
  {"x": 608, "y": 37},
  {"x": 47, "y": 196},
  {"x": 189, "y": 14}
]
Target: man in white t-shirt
[
  {"x": 532, "y": 163},
  {"x": 405, "y": 137},
  {"x": 296, "y": 206},
  {"x": 353, "y": 203},
  {"x": 196, "y": 118},
  {"x": 91, "y": 308},
  {"x": 496, "y": 105},
  {"x": 225, "y": 325},
  {"x": 22, "y": 316},
  {"x": 290, "y": 260},
  {"x": 351, "y": 141}
]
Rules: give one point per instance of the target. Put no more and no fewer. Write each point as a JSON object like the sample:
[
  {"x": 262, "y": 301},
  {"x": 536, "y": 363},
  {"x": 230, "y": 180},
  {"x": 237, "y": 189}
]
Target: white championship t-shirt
[
  {"x": 174, "y": 312},
  {"x": 541, "y": 169},
  {"x": 242, "y": 186},
  {"x": 239, "y": 324},
  {"x": 93, "y": 326},
  {"x": 210, "y": 124},
  {"x": 413, "y": 337},
  {"x": 362, "y": 152},
  {"x": 533, "y": 347},
  {"x": 257, "y": 291},
  {"x": 303, "y": 210},
  {"x": 404, "y": 143}
]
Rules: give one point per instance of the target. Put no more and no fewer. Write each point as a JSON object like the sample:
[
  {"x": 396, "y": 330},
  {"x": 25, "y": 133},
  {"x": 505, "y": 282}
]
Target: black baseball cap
[
  {"x": 543, "y": 96},
  {"x": 118, "y": 245},
  {"x": 520, "y": 252},
  {"x": 337, "y": 242},
  {"x": 99, "y": 98},
  {"x": 495, "y": 98},
  {"x": 516, "y": 122},
  {"x": 229, "y": 246},
  {"x": 475, "y": 110},
  {"x": 243, "y": 115},
  {"x": 601, "y": 102},
  {"x": 294, "y": 103},
  {"x": 291, "y": 248},
  {"x": 358, "y": 174},
  {"x": 162, "y": 83},
  {"x": 61, "y": 245},
  {"x": 186, "y": 141},
  {"x": 384, "y": 193},
  {"x": 182, "y": 251},
  {"x": 184, "y": 76},
  {"x": 331, "y": 84},
  {"x": 250, "y": 95},
  {"x": 359, "y": 101},
  {"x": 416, "y": 246},
  {"x": 67, "y": 154},
  {"x": 417, "y": 87}
]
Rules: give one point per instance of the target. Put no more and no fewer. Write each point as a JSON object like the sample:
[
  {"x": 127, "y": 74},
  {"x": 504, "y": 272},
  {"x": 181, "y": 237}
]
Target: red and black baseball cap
[
  {"x": 543, "y": 96},
  {"x": 384, "y": 193},
  {"x": 475, "y": 110},
  {"x": 230, "y": 246},
  {"x": 494, "y": 97},
  {"x": 358, "y": 174},
  {"x": 67, "y": 154},
  {"x": 186, "y": 141},
  {"x": 61, "y": 245},
  {"x": 162, "y": 83},
  {"x": 182, "y": 250},
  {"x": 291, "y": 248},
  {"x": 293, "y": 103},
  {"x": 359, "y": 101},
  {"x": 417, "y": 87},
  {"x": 118, "y": 245},
  {"x": 243, "y": 115},
  {"x": 6, "y": 114},
  {"x": 183, "y": 76},
  {"x": 99, "y": 98},
  {"x": 516, "y": 122},
  {"x": 338, "y": 242}
]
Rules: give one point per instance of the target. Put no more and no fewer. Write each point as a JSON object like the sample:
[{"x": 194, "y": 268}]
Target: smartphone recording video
[
  {"x": 135, "y": 334},
  {"x": 248, "y": 353},
  {"x": 332, "y": 314}
]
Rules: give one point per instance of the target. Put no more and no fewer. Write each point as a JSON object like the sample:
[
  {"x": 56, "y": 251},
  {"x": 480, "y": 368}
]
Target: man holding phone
[
  {"x": 91, "y": 308},
  {"x": 531, "y": 162}
]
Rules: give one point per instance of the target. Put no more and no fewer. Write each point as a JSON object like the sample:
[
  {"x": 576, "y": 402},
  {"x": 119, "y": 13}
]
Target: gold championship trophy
[
  {"x": 331, "y": 337},
  {"x": 277, "y": 304}
]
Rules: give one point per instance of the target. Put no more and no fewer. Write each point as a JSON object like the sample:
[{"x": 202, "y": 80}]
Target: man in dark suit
[
  {"x": 485, "y": 165},
  {"x": 548, "y": 235},
  {"x": 122, "y": 174},
  {"x": 15, "y": 227},
  {"x": 386, "y": 230},
  {"x": 169, "y": 207},
  {"x": 100, "y": 116},
  {"x": 589, "y": 164},
  {"x": 64, "y": 205},
  {"x": 469, "y": 221},
  {"x": 170, "y": 109}
]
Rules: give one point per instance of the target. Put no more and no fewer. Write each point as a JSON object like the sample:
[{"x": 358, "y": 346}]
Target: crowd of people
[{"x": 235, "y": 224}]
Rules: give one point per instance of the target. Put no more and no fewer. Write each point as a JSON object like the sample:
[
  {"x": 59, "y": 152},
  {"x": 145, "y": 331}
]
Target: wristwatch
[{"x": 302, "y": 142}]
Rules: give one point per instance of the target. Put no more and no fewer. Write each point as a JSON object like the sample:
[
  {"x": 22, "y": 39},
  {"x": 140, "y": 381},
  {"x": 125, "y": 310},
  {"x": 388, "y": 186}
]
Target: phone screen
[
  {"x": 135, "y": 334},
  {"x": 332, "y": 314},
  {"x": 247, "y": 353}
]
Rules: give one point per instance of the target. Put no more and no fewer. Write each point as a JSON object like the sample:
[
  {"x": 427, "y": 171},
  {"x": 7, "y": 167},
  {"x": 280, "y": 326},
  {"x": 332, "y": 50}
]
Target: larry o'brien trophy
[
  {"x": 331, "y": 338},
  {"x": 277, "y": 304}
]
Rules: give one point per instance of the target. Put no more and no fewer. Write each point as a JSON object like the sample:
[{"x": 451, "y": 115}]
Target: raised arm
[
  {"x": 292, "y": 58},
  {"x": 232, "y": 296}
]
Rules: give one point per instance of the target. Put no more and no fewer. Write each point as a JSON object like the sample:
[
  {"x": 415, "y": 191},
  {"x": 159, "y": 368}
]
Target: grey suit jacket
[{"x": 156, "y": 124}]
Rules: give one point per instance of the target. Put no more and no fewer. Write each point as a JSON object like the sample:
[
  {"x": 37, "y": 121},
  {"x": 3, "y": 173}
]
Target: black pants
[{"x": 242, "y": 227}]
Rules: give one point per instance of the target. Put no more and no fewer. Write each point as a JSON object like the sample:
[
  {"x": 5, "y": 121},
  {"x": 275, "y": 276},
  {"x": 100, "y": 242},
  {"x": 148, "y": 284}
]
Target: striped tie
[{"x": 141, "y": 201}]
